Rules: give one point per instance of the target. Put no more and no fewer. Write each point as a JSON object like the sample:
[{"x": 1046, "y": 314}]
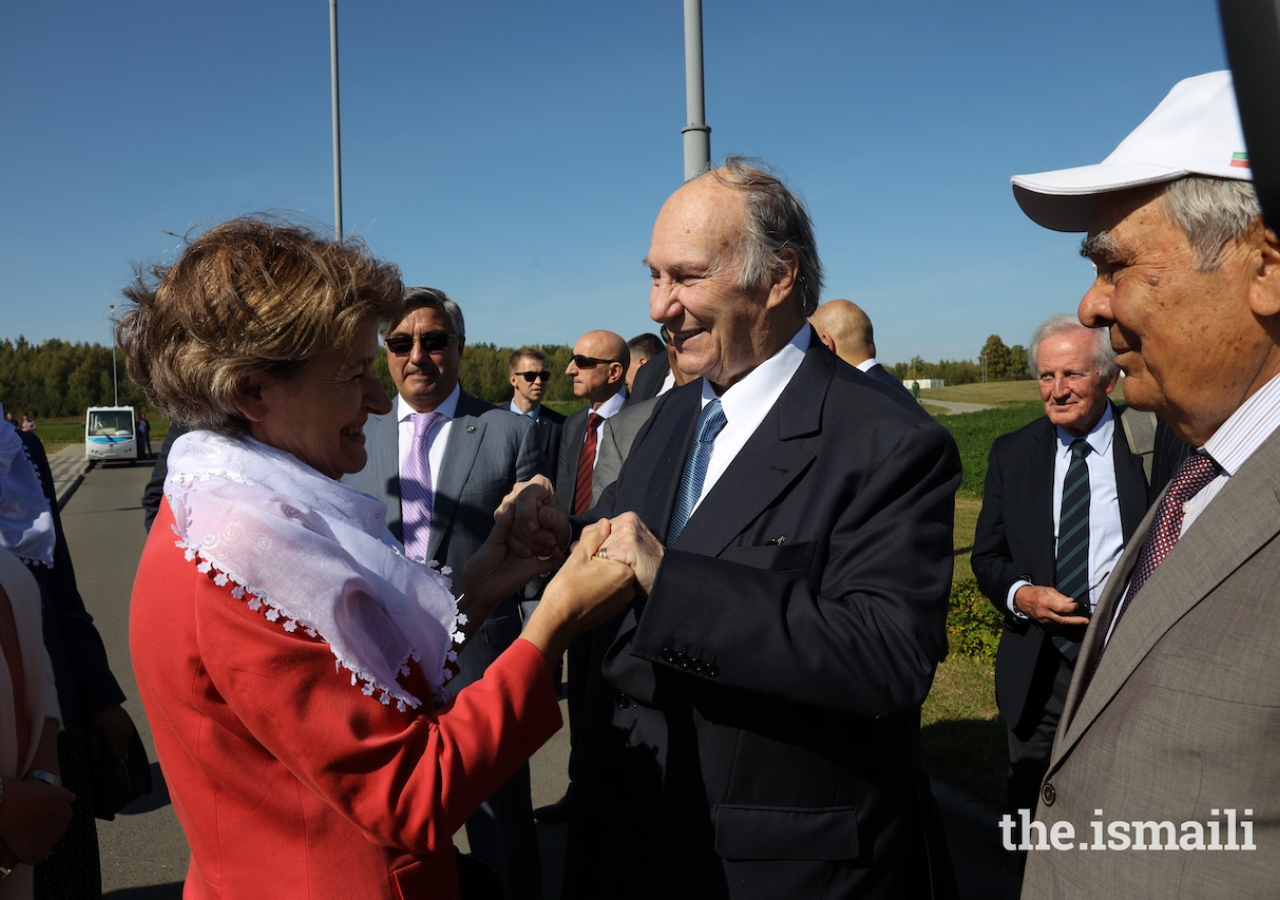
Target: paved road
[
  {"x": 953, "y": 407},
  {"x": 144, "y": 855}
]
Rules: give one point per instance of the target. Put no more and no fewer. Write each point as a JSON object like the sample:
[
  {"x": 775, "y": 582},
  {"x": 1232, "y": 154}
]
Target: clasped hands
[
  {"x": 1047, "y": 606},
  {"x": 540, "y": 527}
]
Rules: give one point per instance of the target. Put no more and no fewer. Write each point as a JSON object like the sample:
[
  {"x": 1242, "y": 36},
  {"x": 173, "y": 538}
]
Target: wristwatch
[{"x": 46, "y": 777}]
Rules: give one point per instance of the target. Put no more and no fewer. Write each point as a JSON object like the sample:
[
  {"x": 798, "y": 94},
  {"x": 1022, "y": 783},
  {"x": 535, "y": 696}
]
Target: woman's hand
[
  {"x": 495, "y": 572},
  {"x": 588, "y": 591},
  {"x": 540, "y": 525},
  {"x": 32, "y": 818}
]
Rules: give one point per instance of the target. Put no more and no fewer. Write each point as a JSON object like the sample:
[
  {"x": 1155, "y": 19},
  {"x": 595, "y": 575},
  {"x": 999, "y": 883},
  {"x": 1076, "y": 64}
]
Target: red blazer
[{"x": 288, "y": 781}]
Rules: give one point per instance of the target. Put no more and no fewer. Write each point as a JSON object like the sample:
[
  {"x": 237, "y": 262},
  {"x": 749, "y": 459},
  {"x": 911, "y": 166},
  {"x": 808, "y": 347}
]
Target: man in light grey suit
[
  {"x": 475, "y": 452},
  {"x": 1168, "y": 735}
]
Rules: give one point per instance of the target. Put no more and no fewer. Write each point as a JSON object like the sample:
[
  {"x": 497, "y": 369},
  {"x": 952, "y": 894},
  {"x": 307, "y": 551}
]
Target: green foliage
[
  {"x": 952, "y": 371},
  {"x": 973, "y": 625},
  {"x": 996, "y": 355},
  {"x": 975, "y": 432},
  {"x": 58, "y": 378},
  {"x": 486, "y": 372},
  {"x": 1018, "y": 361}
]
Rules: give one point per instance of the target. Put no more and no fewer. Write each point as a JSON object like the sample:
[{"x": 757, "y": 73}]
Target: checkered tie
[
  {"x": 1197, "y": 470},
  {"x": 586, "y": 465},
  {"x": 416, "y": 493},
  {"x": 1072, "y": 571},
  {"x": 710, "y": 422}
]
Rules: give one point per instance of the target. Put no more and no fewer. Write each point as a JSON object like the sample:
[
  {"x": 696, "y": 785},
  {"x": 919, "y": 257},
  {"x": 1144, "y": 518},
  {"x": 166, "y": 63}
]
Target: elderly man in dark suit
[
  {"x": 752, "y": 723},
  {"x": 1168, "y": 735},
  {"x": 442, "y": 461},
  {"x": 846, "y": 331},
  {"x": 1063, "y": 494}
]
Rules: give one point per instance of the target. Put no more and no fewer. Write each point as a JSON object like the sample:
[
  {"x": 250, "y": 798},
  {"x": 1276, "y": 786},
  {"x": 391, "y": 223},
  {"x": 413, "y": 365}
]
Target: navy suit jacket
[
  {"x": 751, "y": 728},
  {"x": 1014, "y": 539}
]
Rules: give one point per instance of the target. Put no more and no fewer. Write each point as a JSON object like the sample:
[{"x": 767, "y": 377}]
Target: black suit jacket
[
  {"x": 751, "y": 728},
  {"x": 880, "y": 373},
  {"x": 547, "y": 430},
  {"x": 1014, "y": 539},
  {"x": 649, "y": 378}
]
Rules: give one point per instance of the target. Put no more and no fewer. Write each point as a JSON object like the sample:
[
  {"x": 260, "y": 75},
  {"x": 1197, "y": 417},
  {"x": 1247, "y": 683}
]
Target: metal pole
[
  {"x": 115, "y": 383},
  {"x": 337, "y": 127},
  {"x": 697, "y": 134}
]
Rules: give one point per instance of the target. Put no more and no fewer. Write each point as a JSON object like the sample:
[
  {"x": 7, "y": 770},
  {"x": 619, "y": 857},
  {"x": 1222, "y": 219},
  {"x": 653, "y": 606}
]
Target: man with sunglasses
[
  {"x": 529, "y": 376},
  {"x": 442, "y": 460}
]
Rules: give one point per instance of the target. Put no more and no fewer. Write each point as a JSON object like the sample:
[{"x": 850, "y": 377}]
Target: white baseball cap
[{"x": 1194, "y": 131}]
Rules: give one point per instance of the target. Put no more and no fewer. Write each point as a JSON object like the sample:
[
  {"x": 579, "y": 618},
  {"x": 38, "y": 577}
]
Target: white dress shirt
[
  {"x": 866, "y": 364},
  {"x": 1106, "y": 534},
  {"x": 746, "y": 403},
  {"x": 1235, "y": 441},
  {"x": 437, "y": 440}
]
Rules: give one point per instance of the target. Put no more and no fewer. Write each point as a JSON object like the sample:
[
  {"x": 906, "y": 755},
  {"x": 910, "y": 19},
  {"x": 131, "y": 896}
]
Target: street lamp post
[
  {"x": 115, "y": 384},
  {"x": 697, "y": 133}
]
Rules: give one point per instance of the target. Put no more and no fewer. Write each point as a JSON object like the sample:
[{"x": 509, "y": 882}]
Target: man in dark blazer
[
  {"x": 1016, "y": 546},
  {"x": 477, "y": 452},
  {"x": 752, "y": 723},
  {"x": 846, "y": 331},
  {"x": 529, "y": 376}
]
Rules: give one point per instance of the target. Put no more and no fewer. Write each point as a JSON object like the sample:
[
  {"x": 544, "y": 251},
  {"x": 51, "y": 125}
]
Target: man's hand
[
  {"x": 496, "y": 570},
  {"x": 1045, "y": 606},
  {"x": 539, "y": 525},
  {"x": 32, "y": 818},
  {"x": 113, "y": 728},
  {"x": 631, "y": 542}
]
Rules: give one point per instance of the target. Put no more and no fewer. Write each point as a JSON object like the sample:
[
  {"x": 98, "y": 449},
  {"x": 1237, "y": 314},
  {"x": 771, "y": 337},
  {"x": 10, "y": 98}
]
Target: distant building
[{"x": 925, "y": 383}]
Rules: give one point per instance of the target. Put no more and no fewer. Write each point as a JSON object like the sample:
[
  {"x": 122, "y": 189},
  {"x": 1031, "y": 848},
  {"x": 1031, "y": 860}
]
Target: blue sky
[{"x": 515, "y": 154}]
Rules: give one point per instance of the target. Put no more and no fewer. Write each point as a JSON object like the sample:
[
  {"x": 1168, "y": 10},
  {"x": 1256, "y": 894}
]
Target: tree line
[
  {"x": 56, "y": 378},
  {"x": 1002, "y": 364}
]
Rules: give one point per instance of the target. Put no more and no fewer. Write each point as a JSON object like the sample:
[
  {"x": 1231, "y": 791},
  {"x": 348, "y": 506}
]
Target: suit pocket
[
  {"x": 776, "y": 832},
  {"x": 773, "y": 557}
]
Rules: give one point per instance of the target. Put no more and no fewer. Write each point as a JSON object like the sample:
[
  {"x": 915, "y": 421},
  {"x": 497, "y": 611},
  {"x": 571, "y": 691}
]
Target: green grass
[
  {"x": 566, "y": 407},
  {"x": 975, "y": 432},
  {"x": 998, "y": 393},
  {"x": 962, "y": 738}
]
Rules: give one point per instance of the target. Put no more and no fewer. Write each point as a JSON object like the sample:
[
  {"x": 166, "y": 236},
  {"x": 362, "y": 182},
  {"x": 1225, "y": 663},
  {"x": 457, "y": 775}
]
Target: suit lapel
[
  {"x": 1243, "y": 517},
  {"x": 1040, "y": 494},
  {"x": 465, "y": 437},
  {"x": 1131, "y": 479},
  {"x": 770, "y": 461}
]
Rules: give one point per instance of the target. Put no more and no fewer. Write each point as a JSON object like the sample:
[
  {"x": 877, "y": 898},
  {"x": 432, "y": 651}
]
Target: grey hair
[
  {"x": 1103, "y": 356},
  {"x": 418, "y": 296},
  {"x": 776, "y": 221},
  {"x": 1212, "y": 212}
]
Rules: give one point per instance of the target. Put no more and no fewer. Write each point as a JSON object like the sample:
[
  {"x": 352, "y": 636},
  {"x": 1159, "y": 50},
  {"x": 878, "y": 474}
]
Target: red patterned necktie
[
  {"x": 586, "y": 465},
  {"x": 1197, "y": 470}
]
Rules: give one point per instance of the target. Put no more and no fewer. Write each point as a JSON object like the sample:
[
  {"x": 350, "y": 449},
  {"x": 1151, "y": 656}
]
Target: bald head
[
  {"x": 846, "y": 330},
  {"x": 598, "y": 366}
]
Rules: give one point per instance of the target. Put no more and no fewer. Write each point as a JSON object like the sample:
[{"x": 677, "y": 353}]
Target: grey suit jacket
[
  {"x": 489, "y": 450},
  {"x": 616, "y": 437},
  {"x": 1182, "y": 716}
]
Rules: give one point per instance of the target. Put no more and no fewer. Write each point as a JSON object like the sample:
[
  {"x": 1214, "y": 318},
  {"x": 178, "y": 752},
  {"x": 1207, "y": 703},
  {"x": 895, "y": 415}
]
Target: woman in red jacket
[{"x": 292, "y": 661}]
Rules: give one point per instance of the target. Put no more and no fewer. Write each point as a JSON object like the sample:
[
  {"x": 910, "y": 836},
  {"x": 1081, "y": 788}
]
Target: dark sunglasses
[
  {"x": 590, "y": 362},
  {"x": 532, "y": 376},
  {"x": 431, "y": 342}
]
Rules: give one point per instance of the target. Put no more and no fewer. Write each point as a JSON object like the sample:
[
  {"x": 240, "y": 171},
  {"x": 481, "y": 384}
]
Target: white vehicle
[{"x": 109, "y": 434}]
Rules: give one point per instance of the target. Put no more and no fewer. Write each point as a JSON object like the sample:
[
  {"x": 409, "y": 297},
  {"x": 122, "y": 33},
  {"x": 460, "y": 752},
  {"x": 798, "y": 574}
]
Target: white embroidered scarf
[
  {"x": 26, "y": 522},
  {"x": 317, "y": 554}
]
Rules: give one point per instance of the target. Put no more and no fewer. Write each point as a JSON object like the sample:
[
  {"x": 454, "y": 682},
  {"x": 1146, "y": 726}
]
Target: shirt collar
[
  {"x": 611, "y": 406},
  {"x": 448, "y": 409},
  {"x": 757, "y": 391},
  {"x": 532, "y": 414},
  {"x": 1099, "y": 438},
  {"x": 866, "y": 364},
  {"x": 1245, "y": 429}
]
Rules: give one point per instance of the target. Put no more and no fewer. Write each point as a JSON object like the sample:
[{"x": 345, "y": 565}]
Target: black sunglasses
[
  {"x": 431, "y": 342},
  {"x": 590, "y": 362},
  {"x": 532, "y": 376}
]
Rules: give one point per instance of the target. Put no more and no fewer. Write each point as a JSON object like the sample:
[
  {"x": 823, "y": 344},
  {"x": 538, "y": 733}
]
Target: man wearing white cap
[{"x": 1168, "y": 737}]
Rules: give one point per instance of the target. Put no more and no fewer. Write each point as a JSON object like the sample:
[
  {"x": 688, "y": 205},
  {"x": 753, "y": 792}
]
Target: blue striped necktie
[
  {"x": 710, "y": 421},
  {"x": 1072, "y": 570}
]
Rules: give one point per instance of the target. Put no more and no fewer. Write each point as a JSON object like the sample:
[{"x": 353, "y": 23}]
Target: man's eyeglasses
[
  {"x": 532, "y": 376},
  {"x": 590, "y": 362},
  {"x": 430, "y": 342}
]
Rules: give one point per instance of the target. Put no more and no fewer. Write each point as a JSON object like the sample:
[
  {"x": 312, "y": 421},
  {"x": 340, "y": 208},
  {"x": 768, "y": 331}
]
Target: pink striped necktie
[{"x": 416, "y": 492}]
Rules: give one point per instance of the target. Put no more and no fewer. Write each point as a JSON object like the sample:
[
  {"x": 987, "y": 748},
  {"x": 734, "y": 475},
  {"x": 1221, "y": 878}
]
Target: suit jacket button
[
  {"x": 668, "y": 655},
  {"x": 623, "y": 700},
  {"x": 686, "y": 661},
  {"x": 1048, "y": 794},
  {"x": 713, "y": 670}
]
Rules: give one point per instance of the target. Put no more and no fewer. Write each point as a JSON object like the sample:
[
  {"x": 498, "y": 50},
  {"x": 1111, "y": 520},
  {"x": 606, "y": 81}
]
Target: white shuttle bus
[{"x": 109, "y": 434}]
